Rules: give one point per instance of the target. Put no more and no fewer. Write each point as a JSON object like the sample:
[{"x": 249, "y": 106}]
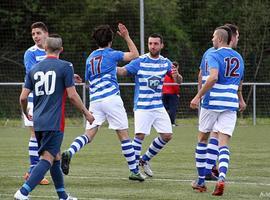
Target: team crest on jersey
[{"x": 153, "y": 82}]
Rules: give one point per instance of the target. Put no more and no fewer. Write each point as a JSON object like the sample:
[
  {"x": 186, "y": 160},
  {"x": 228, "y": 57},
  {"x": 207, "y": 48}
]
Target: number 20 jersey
[
  {"x": 101, "y": 73},
  {"x": 48, "y": 80},
  {"x": 223, "y": 95}
]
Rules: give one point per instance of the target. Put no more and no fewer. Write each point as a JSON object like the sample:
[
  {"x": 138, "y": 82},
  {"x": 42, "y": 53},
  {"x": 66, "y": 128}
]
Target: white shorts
[
  {"x": 111, "y": 109},
  {"x": 30, "y": 107},
  {"x": 159, "y": 118},
  {"x": 223, "y": 122}
]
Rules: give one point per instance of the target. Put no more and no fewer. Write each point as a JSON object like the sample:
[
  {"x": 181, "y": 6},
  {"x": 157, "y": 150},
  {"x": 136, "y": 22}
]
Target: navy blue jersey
[{"x": 48, "y": 80}]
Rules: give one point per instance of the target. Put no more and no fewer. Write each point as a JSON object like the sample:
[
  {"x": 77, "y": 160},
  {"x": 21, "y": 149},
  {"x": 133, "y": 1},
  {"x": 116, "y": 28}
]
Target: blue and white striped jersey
[
  {"x": 101, "y": 73},
  {"x": 32, "y": 56},
  {"x": 203, "y": 65},
  {"x": 223, "y": 95},
  {"x": 149, "y": 75}
]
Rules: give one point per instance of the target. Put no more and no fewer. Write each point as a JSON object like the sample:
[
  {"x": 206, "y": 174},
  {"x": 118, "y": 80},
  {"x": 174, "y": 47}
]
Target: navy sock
[
  {"x": 36, "y": 176},
  {"x": 58, "y": 180}
]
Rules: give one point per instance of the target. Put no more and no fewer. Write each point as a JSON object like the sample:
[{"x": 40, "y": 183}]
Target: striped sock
[
  {"x": 33, "y": 153},
  {"x": 129, "y": 153},
  {"x": 58, "y": 180},
  {"x": 137, "y": 145},
  {"x": 212, "y": 154},
  {"x": 200, "y": 157},
  {"x": 155, "y": 147},
  {"x": 78, "y": 143},
  {"x": 224, "y": 158}
]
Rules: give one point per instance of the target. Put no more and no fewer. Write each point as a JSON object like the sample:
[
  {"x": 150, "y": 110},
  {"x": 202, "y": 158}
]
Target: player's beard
[{"x": 154, "y": 54}]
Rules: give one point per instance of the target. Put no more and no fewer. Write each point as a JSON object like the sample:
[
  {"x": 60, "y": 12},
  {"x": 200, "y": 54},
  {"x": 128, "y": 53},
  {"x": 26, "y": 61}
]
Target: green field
[{"x": 100, "y": 172}]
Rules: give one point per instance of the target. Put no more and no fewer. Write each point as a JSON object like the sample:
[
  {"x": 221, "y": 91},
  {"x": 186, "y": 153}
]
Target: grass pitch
[{"x": 99, "y": 170}]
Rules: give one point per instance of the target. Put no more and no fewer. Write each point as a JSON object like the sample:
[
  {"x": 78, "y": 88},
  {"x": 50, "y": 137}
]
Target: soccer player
[
  {"x": 221, "y": 97},
  {"x": 105, "y": 100},
  {"x": 150, "y": 70},
  {"x": 32, "y": 56},
  {"x": 51, "y": 80},
  {"x": 211, "y": 172}
]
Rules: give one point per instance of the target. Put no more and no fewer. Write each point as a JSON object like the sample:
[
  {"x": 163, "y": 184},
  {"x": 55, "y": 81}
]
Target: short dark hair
[
  {"x": 233, "y": 28},
  {"x": 175, "y": 63},
  {"x": 103, "y": 34},
  {"x": 40, "y": 25},
  {"x": 229, "y": 32},
  {"x": 157, "y": 35}
]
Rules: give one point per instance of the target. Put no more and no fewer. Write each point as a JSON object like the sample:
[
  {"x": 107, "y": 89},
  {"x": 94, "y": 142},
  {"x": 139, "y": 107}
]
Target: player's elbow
[
  {"x": 121, "y": 71},
  {"x": 135, "y": 54},
  {"x": 131, "y": 55},
  {"x": 23, "y": 99},
  {"x": 213, "y": 78},
  {"x": 72, "y": 93},
  {"x": 72, "y": 96}
]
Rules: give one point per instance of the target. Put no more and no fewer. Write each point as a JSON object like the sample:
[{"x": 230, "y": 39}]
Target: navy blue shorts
[{"x": 49, "y": 141}]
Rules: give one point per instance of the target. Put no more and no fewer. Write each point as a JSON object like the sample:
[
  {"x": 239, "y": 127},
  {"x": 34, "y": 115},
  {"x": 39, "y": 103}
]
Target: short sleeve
[
  {"x": 29, "y": 61},
  {"x": 202, "y": 64},
  {"x": 133, "y": 66},
  {"x": 86, "y": 70},
  {"x": 28, "y": 82},
  {"x": 169, "y": 68},
  {"x": 243, "y": 73},
  {"x": 118, "y": 55},
  {"x": 69, "y": 76},
  {"x": 212, "y": 61}
]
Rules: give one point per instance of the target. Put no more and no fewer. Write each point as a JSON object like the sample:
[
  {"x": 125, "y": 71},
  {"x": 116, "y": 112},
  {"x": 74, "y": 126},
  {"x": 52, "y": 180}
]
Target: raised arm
[
  {"x": 176, "y": 76},
  {"x": 133, "y": 51},
  {"x": 77, "y": 102}
]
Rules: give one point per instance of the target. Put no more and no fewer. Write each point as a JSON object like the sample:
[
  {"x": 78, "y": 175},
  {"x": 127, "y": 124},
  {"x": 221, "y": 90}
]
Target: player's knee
[
  {"x": 203, "y": 137},
  {"x": 32, "y": 132},
  {"x": 57, "y": 157},
  {"x": 91, "y": 133},
  {"x": 214, "y": 134},
  {"x": 140, "y": 136},
  {"x": 166, "y": 137},
  {"x": 47, "y": 156}
]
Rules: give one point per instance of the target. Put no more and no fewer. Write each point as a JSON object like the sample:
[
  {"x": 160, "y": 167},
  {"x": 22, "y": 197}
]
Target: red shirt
[{"x": 170, "y": 89}]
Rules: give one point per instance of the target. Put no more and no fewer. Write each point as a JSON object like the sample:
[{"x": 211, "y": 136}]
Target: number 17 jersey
[{"x": 100, "y": 72}]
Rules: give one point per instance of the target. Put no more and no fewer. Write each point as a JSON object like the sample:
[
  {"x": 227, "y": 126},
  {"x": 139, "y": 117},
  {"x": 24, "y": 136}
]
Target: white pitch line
[
  {"x": 153, "y": 180},
  {"x": 53, "y": 197}
]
